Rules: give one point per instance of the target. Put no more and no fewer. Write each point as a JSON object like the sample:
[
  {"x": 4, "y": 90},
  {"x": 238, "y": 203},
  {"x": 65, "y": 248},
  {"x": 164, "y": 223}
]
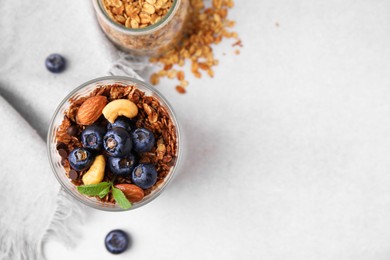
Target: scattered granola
[
  {"x": 206, "y": 26},
  {"x": 188, "y": 36},
  {"x": 151, "y": 115}
]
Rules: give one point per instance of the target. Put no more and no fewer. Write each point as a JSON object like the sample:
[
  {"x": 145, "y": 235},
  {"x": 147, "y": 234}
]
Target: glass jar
[
  {"x": 55, "y": 158},
  {"x": 148, "y": 41}
]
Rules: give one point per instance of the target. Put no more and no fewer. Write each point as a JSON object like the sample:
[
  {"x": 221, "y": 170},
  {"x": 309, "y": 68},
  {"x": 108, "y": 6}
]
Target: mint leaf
[
  {"x": 94, "y": 189},
  {"x": 104, "y": 192},
  {"x": 120, "y": 198}
]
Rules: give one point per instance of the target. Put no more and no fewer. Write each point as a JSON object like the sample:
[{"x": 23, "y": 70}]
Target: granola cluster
[
  {"x": 137, "y": 13},
  {"x": 151, "y": 115},
  {"x": 206, "y": 26}
]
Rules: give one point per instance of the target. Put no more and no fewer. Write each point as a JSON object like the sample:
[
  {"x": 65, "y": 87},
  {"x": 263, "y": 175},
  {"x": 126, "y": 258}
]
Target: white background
[{"x": 288, "y": 146}]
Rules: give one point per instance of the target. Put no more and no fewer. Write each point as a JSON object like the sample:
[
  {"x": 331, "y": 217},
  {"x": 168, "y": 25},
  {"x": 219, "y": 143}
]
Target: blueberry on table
[
  {"x": 55, "y": 63},
  {"x": 92, "y": 137},
  {"x": 80, "y": 159},
  {"x": 143, "y": 140},
  {"x": 122, "y": 166},
  {"x": 122, "y": 122},
  {"x": 117, "y": 142},
  {"x": 144, "y": 175},
  {"x": 116, "y": 241}
]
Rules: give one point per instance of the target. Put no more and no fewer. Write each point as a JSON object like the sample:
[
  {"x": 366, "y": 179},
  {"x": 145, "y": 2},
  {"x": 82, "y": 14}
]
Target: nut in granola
[
  {"x": 119, "y": 107},
  {"x": 90, "y": 110}
]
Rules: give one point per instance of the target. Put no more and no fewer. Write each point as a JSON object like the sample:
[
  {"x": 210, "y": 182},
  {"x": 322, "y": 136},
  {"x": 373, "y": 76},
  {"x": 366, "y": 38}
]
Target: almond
[
  {"x": 91, "y": 110},
  {"x": 132, "y": 192}
]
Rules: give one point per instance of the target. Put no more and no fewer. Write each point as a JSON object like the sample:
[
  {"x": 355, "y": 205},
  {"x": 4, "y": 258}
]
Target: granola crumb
[
  {"x": 237, "y": 43},
  {"x": 155, "y": 79},
  {"x": 180, "y": 89}
]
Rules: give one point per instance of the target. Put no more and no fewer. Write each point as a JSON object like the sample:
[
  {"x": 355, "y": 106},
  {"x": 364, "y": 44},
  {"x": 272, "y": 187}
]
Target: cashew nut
[
  {"x": 95, "y": 174},
  {"x": 120, "y": 107}
]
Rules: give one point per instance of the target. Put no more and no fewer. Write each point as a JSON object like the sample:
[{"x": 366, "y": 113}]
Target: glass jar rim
[
  {"x": 140, "y": 31},
  {"x": 145, "y": 85}
]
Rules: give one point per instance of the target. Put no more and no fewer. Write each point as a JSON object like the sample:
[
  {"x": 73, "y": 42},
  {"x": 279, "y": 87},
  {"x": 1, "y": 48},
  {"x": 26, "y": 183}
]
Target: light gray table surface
[{"x": 288, "y": 147}]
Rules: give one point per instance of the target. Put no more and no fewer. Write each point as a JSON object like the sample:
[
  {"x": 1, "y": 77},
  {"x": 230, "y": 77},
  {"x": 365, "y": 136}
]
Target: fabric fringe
[
  {"x": 18, "y": 248},
  {"x": 64, "y": 227}
]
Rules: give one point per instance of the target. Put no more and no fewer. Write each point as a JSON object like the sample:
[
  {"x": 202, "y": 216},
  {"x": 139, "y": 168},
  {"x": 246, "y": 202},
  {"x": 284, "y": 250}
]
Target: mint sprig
[
  {"x": 102, "y": 189},
  {"x": 120, "y": 198},
  {"x": 104, "y": 192},
  {"x": 94, "y": 189}
]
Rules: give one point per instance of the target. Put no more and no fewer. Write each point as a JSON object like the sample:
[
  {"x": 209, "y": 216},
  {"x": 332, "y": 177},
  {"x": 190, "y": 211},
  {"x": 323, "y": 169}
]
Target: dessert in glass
[{"x": 114, "y": 143}]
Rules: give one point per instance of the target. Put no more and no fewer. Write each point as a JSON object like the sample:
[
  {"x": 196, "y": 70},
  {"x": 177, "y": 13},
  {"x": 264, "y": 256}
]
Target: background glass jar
[
  {"x": 55, "y": 159},
  {"x": 148, "y": 41}
]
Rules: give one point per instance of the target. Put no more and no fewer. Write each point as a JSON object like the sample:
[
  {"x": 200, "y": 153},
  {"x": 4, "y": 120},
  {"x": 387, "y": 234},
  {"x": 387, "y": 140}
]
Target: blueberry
[
  {"x": 92, "y": 137},
  {"x": 116, "y": 241},
  {"x": 144, "y": 175},
  {"x": 80, "y": 159},
  {"x": 55, "y": 63},
  {"x": 117, "y": 142},
  {"x": 122, "y": 166},
  {"x": 122, "y": 122},
  {"x": 143, "y": 140}
]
